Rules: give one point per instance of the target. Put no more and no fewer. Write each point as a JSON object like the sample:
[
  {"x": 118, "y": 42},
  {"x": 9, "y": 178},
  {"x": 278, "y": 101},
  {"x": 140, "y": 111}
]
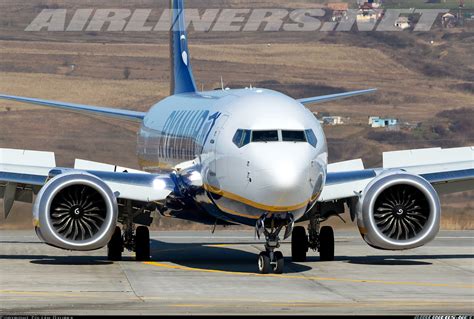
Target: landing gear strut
[{"x": 271, "y": 260}]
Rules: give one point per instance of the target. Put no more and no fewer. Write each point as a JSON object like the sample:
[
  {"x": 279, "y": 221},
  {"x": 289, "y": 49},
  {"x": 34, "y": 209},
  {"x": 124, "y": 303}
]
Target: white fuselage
[{"x": 244, "y": 176}]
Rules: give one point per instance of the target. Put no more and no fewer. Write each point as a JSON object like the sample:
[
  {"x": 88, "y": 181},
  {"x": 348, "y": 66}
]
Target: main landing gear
[
  {"x": 318, "y": 238},
  {"x": 137, "y": 240},
  {"x": 132, "y": 238},
  {"x": 271, "y": 260}
]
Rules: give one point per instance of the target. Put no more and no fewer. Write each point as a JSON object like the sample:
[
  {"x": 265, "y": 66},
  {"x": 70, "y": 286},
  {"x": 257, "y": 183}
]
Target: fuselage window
[
  {"x": 265, "y": 136},
  {"x": 312, "y": 140},
  {"x": 293, "y": 136}
]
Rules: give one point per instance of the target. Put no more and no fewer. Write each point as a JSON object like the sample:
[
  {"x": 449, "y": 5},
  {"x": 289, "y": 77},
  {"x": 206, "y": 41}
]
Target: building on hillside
[
  {"x": 332, "y": 120},
  {"x": 369, "y": 12},
  {"x": 403, "y": 23},
  {"x": 368, "y": 3},
  {"x": 449, "y": 20},
  {"x": 375, "y": 122},
  {"x": 339, "y": 10}
]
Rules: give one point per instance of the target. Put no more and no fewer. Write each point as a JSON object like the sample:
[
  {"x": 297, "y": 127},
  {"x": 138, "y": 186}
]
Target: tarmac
[{"x": 197, "y": 272}]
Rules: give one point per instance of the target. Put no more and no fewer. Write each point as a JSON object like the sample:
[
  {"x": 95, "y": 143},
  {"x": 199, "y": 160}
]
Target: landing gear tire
[
  {"x": 326, "y": 242},
  {"x": 264, "y": 265},
  {"x": 279, "y": 262},
  {"x": 142, "y": 243},
  {"x": 115, "y": 246},
  {"x": 299, "y": 244}
]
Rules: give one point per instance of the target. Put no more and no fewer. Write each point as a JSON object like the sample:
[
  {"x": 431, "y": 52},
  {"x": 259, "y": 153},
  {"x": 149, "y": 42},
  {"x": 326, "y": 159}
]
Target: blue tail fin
[{"x": 182, "y": 80}]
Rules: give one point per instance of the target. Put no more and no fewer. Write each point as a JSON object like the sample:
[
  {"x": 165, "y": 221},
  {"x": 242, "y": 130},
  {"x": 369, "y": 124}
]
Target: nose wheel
[{"x": 271, "y": 262}]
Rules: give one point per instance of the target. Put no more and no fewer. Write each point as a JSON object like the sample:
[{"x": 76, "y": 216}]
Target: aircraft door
[{"x": 218, "y": 164}]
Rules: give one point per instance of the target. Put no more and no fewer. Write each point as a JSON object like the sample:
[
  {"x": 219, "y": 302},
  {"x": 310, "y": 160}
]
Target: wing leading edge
[
  {"x": 334, "y": 97},
  {"x": 81, "y": 108},
  {"x": 24, "y": 173},
  {"x": 448, "y": 170}
]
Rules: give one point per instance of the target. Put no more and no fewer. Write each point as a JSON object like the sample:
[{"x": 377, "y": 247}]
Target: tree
[{"x": 126, "y": 73}]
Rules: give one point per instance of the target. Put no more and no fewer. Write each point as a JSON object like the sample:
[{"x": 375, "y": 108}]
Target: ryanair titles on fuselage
[{"x": 184, "y": 133}]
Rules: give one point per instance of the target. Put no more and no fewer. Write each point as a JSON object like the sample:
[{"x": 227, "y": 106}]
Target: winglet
[
  {"x": 333, "y": 97},
  {"x": 182, "y": 80}
]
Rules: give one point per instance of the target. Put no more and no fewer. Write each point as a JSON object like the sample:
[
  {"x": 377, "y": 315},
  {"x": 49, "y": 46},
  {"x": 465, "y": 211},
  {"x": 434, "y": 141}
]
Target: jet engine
[
  {"x": 75, "y": 211},
  {"x": 398, "y": 211}
]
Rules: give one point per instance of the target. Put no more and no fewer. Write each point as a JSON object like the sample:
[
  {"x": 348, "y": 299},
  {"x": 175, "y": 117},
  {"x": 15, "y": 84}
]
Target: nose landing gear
[{"x": 271, "y": 260}]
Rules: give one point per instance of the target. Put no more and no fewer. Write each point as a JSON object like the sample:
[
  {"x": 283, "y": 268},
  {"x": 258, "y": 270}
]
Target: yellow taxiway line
[{"x": 364, "y": 281}]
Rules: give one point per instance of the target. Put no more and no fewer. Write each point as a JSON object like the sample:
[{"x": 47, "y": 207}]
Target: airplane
[{"x": 247, "y": 156}]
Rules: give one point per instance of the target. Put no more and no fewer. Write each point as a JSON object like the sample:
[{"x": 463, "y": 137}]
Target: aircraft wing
[
  {"x": 23, "y": 173},
  {"x": 448, "y": 170},
  {"x": 81, "y": 108},
  {"x": 333, "y": 97}
]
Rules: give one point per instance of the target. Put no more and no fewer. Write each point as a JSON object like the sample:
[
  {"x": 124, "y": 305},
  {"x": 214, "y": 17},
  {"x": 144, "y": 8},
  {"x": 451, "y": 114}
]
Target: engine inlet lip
[
  {"x": 63, "y": 181},
  {"x": 404, "y": 179}
]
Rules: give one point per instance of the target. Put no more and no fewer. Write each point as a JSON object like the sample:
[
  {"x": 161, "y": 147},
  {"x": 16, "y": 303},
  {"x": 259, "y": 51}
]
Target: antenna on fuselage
[{"x": 222, "y": 83}]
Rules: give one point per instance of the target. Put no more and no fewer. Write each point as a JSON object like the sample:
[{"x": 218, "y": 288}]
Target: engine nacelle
[
  {"x": 75, "y": 211},
  {"x": 398, "y": 211}
]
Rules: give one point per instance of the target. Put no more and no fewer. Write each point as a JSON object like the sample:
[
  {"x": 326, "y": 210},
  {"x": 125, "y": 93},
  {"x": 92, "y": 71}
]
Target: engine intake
[
  {"x": 75, "y": 211},
  {"x": 399, "y": 211}
]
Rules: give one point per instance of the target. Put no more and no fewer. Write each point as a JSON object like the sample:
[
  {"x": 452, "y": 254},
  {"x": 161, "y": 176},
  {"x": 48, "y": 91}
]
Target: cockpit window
[
  {"x": 242, "y": 138},
  {"x": 265, "y": 136},
  {"x": 238, "y": 137},
  {"x": 312, "y": 140},
  {"x": 293, "y": 136}
]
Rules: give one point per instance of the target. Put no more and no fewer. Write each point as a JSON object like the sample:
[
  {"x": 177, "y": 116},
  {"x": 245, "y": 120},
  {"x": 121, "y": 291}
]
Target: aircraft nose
[
  {"x": 287, "y": 174},
  {"x": 285, "y": 180}
]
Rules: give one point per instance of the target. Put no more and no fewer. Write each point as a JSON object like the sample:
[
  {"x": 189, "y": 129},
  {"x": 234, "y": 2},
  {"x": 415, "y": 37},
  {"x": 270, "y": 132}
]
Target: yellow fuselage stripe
[{"x": 249, "y": 202}]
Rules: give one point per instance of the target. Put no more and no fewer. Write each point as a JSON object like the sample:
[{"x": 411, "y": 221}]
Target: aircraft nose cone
[
  {"x": 287, "y": 175},
  {"x": 284, "y": 181}
]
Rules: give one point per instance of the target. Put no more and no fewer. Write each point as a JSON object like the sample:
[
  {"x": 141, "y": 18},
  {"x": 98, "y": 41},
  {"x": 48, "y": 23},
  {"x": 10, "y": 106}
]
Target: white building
[
  {"x": 332, "y": 120},
  {"x": 375, "y": 121}
]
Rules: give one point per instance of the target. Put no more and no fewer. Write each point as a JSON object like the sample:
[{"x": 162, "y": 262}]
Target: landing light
[
  {"x": 159, "y": 184},
  {"x": 195, "y": 176}
]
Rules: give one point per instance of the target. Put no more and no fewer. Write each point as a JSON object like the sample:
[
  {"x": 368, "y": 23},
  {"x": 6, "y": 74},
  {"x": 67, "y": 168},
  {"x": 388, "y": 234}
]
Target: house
[
  {"x": 449, "y": 20},
  {"x": 332, "y": 120},
  {"x": 339, "y": 10},
  {"x": 402, "y": 23},
  {"x": 368, "y": 3},
  {"x": 375, "y": 121},
  {"x": 369, "y": 13}
]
